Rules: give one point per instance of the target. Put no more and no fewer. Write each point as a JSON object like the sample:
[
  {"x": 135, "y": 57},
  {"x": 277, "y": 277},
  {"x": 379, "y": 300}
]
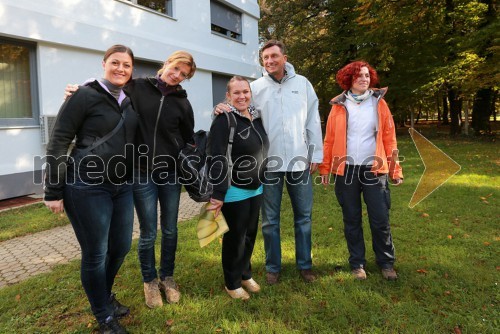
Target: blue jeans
[
  {"x": 148, "y": 190},
  {"x": 376, "y": 194},
  {"x": 299, "y": 187},
  {"x": 102, "y": 217}
]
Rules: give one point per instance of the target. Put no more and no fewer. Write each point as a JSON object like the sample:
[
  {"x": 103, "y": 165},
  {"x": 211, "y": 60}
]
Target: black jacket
[
  {"x": 250, "y": 145},
  {"x": 166, "y": 123},
  {"x": 90, "y": 114}
]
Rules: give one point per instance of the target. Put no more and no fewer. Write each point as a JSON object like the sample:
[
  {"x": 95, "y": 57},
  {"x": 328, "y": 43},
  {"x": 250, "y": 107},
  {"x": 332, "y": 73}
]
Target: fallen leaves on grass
[
  {"x": 484, "y": 199},
  {"x": 450, "y": 236},
  {"x": 486, "y": 243},
  {"x": 425, "y": 215},
  {"x": 169, "y": 322},
  {"x": 422, "y": 271},
  {"x": 457, "y": 330},
  {"x": 18, "y": 298}
]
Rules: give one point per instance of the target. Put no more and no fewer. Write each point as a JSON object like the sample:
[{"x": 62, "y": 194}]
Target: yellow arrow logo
[{"x": 439, "y": 168}]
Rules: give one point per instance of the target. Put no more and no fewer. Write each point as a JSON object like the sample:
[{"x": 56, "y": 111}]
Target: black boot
[
  {"x": 111, "y": 326},
  {"x": 119, "y": 310}
]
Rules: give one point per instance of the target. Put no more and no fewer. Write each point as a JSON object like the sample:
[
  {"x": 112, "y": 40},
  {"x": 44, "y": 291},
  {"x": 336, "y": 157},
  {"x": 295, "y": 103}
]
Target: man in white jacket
[{"x": 289, "y": 109}]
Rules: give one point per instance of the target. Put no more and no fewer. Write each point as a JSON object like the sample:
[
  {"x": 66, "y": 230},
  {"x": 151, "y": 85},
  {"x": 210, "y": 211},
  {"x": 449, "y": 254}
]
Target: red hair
[{"x": 347, "y": 74}]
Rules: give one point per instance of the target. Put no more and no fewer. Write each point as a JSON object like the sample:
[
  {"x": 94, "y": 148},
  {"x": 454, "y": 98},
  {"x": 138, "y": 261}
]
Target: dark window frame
[
  {"x": 168, "y": 7},
  {"x": 34, "y": 120},
  {"x": 219, "y": 87},
  {"x": 222, "y": 17}
]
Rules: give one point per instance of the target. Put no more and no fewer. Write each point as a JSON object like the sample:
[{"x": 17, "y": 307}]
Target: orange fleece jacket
[{"x": 335, "y": 143}]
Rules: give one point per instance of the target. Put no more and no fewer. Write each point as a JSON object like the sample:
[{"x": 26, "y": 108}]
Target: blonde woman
[{"x": 166, "y": 124}]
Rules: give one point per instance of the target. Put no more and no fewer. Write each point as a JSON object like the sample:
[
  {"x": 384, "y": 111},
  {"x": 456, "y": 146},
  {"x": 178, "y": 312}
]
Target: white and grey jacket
[{"x": 289, "y": 111}]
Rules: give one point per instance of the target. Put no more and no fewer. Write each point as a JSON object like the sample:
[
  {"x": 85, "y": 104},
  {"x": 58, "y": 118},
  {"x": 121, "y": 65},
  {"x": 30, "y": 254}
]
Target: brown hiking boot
[
  {"x": 307, "y": 275},
  {"x": 152, "y": 294},
  {"x": 272, "y": 278},
  {"x": 359, "y": 274},
  {"x": 171, "y": 290},
  {"x": 389, "y": 274}
]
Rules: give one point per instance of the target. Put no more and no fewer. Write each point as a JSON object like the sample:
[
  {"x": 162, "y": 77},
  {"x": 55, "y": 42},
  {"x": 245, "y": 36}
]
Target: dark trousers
[
  {"x": 359, "y": 180},
  {"x": 102, "y": 217},
  {"x": 242, "y": 217}
]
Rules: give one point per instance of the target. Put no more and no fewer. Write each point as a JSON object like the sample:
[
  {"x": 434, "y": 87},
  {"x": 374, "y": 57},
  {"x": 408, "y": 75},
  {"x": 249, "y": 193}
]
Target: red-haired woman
[{"x": 360, "y": 149}]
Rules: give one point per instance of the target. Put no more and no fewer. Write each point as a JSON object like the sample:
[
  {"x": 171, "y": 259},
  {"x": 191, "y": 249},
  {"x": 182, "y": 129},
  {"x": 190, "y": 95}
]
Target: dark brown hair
[
  {"x": 119, "y": 48},
  {"x": 273, "y": 42}
]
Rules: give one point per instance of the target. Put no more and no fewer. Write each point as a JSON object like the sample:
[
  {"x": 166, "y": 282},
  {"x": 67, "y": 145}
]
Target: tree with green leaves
[{"x": 424, "y": 50}]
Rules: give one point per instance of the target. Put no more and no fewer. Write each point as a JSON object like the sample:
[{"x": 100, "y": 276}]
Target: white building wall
[{"x": 72, "y": 35}]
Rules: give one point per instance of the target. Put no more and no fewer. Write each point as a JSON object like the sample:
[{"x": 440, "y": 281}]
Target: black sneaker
[
  {"x": 119, "y": 310},
  {"x": 111, "y": 326}
]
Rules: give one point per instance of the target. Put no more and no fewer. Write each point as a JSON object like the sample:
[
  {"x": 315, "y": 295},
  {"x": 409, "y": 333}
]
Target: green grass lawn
[
  {"x": 29, "y": 219},
  {"x": 447, "y": 251}
]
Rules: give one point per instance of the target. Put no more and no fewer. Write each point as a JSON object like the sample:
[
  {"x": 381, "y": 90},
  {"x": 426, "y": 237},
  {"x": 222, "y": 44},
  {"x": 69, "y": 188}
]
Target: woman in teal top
[{"x": 241, "y": 200}]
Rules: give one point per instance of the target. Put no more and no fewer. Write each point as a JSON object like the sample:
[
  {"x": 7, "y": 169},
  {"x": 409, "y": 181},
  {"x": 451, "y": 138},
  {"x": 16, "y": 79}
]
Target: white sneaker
[
  {"x": 239, "y": 293},
  {"x": 251, "y": 285}
]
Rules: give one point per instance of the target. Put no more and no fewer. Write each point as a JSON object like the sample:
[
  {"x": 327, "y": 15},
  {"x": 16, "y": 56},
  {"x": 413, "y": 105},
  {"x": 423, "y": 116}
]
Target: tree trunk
[
  {"x": 445, "y": 110},
  {"x": 455, "y": 111},
  {"x": 493, "y": 106},
  {"x": 481, "y": 111},
  {"x": 419, "y": 113},
  {"x": 438, "y": 106}
]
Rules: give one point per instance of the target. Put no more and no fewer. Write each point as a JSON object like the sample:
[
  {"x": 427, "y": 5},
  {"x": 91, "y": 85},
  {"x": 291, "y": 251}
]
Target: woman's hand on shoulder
[
  {"x": 220, "y": 108},
  {"x": 70, "y": 90}
]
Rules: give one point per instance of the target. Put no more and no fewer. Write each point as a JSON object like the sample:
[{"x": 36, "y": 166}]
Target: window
[
  {"x": 219, "y": 84},
  {"x": 145, "y": 69},
  {"x": 225, "y": 21},
  {"x": 18, "y": 94},
  {"x": 160, "y": 6}
]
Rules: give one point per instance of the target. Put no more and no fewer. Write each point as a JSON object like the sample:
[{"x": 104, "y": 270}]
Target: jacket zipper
[
  {"x": 261, "y": 140},
  {"x": 156, "y": 125}
]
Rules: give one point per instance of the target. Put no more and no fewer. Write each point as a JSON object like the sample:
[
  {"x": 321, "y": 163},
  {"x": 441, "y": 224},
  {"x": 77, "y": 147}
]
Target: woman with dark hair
[
  {"x": 92, "y": 186},
  {"x": 360, "y": 149},
  {"x": 241, "y": 198},
  {"x": 166, "y": 123}
]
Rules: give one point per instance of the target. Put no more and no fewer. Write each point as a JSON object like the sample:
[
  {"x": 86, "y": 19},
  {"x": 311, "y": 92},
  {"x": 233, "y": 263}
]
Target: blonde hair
[{"x": 177, "y": 57}]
